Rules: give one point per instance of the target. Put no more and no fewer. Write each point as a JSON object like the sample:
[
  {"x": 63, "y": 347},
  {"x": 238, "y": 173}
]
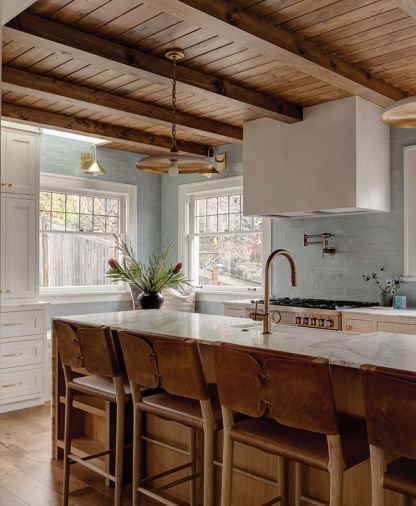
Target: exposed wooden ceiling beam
[
  {"x": 88, "y": 48},
  {"x": 97, "y": 129},
  {"x": 21, "y": 81},
  {"x": 223, "y": 18},
  {"x": 408, "y": 6}
]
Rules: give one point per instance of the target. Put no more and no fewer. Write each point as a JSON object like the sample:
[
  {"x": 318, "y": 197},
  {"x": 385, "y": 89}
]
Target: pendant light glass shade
[{"x": 174, "y": 163}]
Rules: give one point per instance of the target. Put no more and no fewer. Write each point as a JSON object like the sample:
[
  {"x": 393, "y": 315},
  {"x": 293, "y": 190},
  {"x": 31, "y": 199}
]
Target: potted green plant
[
  {"x": 150, "y": 278},
  {"x": 389, "y": 286}
]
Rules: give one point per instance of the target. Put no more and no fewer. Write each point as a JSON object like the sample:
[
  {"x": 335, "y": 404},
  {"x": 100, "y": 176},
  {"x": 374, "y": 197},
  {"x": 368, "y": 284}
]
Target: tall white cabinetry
[{"x": 22, "y": 317}]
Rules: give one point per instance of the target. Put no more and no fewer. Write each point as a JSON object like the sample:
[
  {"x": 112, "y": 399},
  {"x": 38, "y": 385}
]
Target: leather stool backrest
[
  {"x": 390, "y": 406},
  {"x": 295, "y": 390},
  {"x": 180, "y": 368},
  {"x": 140, "y": 360},
  {"x": 98, "y": 351},
  {"x": 300, "y": 394},
  {"x": 240, "y": 381},
  {"x": 68, "y": 344}
]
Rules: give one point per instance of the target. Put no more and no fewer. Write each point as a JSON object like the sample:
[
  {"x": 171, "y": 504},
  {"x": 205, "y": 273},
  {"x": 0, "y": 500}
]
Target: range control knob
[
  {"x": 329, "y": 323},
  {"x": 321, "y": 322},
  {"x": 305, "y": 320},
  {"x": 298, "y": 320},
  {"x": 313, "y": 321}
]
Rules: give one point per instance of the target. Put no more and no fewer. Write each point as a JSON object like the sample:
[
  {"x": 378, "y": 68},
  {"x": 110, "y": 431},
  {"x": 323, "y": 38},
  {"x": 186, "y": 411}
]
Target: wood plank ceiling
[{"x": 97, "y": 66}]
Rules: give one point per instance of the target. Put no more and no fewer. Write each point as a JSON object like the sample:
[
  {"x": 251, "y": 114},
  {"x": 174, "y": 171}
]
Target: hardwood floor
[{"x": 28, "y": 476}]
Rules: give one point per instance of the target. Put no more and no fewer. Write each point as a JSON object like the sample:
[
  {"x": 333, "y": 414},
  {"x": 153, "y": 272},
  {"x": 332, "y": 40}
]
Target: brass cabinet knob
[
  {"x": 3, "y": 184},
  {"x": 349, "y": 327},
  {"x": 9, "y": 185}
]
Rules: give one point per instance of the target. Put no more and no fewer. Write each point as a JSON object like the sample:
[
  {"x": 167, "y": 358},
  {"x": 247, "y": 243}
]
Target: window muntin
[
  {"x": 77, "y": 238},
  {"x": 226, "y": 247}
]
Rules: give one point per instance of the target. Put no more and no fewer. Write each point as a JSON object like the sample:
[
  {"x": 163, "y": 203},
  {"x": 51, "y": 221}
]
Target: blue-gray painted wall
[
  {"x": 364, "y": 242},
  {"x": 59, "y": 155}
]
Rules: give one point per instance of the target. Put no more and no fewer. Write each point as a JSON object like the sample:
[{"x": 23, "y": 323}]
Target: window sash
[
  {"x": 125, "y": 193},
  {"x": 187, "y": 222}
]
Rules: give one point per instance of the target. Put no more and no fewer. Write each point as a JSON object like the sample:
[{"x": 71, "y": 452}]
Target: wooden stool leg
[
  {"x": 336, "y": 479},
  {"x": 378, "y": 468},
  {"x": 67, "y": 445},
  {"x": 121, "y": 415},
  {"x": 227, "y": 469},
  {"x": 281, "y": 482},
  {"x": 298, "y": 484},
  {"x": 137, "y": 454},
  {"x": 208, "y": 467},
  {"x": 192, "y": 457},
  {"x": 335, "y": 469}
]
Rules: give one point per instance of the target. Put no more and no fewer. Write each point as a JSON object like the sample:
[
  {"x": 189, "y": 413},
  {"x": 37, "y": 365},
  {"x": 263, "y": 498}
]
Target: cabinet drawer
[
  {"x": 21, "y": 323},
  {"x": 360, "y": 326},
  {"x": 21, "y": 353},
  {"x": 19, "y": 384},
  {"x": 399, "y": 328},
  {"x": 233, "y": 311}
]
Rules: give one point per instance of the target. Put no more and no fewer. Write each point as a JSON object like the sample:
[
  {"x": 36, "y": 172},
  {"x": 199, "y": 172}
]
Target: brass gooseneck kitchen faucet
[{"x": 265, "y": 317}]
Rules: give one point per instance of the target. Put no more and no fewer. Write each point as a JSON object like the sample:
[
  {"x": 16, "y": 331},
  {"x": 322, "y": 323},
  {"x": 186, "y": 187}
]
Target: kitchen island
[{"x": 345, "y": 351}]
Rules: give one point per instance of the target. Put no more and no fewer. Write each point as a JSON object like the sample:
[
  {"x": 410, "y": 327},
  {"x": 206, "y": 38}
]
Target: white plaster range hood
[{"x": 335, "y": 161}]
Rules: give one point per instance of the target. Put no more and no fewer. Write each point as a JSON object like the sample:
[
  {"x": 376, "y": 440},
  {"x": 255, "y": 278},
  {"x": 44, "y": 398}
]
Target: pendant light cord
[{"x": 174, "y": 146}]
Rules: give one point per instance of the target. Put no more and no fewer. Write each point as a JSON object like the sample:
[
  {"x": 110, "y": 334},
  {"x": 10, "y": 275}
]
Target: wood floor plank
[{"x": 28, "y": 476}]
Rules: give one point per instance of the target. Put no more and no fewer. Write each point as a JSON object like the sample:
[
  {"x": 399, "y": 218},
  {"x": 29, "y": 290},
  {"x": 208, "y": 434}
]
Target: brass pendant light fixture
[
  {"x": 174, "y": 163},
  {"x": 401, "y": 114}
]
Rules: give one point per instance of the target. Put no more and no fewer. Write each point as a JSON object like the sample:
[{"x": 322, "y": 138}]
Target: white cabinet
[
  {"x": 20, "y": 162},
  {"x": 22, "y": 318},
  {"x": 19, "y": 240},
  {"x": 23, "y": 348},
  {"x": 379, "y": 320}
]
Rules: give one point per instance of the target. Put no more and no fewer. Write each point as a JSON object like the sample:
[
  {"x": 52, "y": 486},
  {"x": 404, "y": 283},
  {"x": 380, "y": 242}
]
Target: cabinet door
[
  {"x": 19, "y": 241},
  {"x": 356, "y": 325},
  {"x": 397, "y": 328},
  {"x": 19, "y": 171}
]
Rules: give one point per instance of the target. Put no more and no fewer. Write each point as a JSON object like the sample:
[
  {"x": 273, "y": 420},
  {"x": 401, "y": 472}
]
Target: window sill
[
  {"x": 85, "y": 296},
  {"x": 225, "y": 296}
]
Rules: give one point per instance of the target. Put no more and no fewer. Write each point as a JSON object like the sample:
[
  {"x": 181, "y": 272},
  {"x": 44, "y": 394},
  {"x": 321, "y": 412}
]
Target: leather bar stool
[
  {"x": 290, "y": 403},
  {"x": 93, "y": 349},
  {"x": 389, "y": 400},
  {"x": 176, "y": 366}
]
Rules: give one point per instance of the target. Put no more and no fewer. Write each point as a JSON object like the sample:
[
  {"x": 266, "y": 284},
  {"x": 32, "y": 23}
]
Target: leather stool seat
[
  {"x": 179, "y": 409},
  {"x": 401, "y": 476},
  {"x": 309, "y": 448},
  {"x": 98, "y": 384}
]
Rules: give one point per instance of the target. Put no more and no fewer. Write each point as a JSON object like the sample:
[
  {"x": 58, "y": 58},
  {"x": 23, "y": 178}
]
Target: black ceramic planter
[{"x": 150, "y": 300}]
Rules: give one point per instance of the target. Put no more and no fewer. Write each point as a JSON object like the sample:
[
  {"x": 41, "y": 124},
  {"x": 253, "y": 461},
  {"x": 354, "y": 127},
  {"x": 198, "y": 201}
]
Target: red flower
[
  {"x": 112, "y": 263},
  {"x": 177, "y": 268}
]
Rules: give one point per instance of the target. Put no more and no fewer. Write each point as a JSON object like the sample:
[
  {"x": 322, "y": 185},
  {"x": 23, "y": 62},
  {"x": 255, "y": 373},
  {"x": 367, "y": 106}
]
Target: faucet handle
[{"x": 256, "y": 316}]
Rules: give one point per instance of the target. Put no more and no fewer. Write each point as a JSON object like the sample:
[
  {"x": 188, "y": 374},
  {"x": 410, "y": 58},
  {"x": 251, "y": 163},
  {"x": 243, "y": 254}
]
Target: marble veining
[{"x": 345, "y": 349}]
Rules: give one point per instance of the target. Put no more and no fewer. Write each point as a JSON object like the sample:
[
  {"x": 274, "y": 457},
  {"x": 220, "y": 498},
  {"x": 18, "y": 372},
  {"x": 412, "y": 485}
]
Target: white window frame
[
  {"x": 409, "y": 182},
  {"x": 189, "y": 191},
  {"x": 79, "y": 185}
]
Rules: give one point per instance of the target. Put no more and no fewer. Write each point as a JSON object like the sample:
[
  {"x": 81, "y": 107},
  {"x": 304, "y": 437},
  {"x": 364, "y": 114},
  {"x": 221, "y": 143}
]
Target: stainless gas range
[{"x": 318, "y": 313}]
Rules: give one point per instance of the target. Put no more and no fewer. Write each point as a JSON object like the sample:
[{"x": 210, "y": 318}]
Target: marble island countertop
[{"x": 345, "y": 349}]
